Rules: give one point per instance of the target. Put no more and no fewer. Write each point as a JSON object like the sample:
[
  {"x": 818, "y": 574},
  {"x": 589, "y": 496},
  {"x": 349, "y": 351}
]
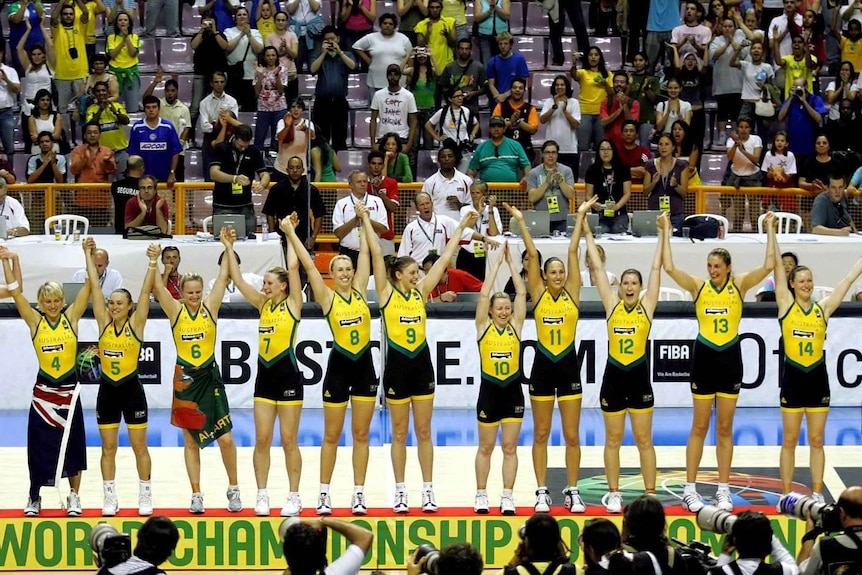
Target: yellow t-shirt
[
  {"x": 500, "y": 355},
  {"x": 556, "y": 321},
  {"x": 119, "y": 351},
  {"x": 68, "y": 40},
  {"x": 719, "y": 311},
  {"x": 56, "y": 348},
  {"x": 350, "y": 322},
  {"x": 628, "y": 334},
  {"x": 592, "y": 93},
  {"x": 455, "y": 9},
  {"x": 276, "y": 332},
  {"x": 796, "y": 70},
  {"x": 195, "y": 337},
  {"x": 266, "y": 26},
  {"x": 438, "y": 43},
  {"x": 123, "y": 59},
  {"x": 404, "y": 319},
  {"x": 91, "y": 23},
  {"x": 113, "y": 134},
  {"x": 804, "y": 334},
  {"x": 852, "y": 52}
]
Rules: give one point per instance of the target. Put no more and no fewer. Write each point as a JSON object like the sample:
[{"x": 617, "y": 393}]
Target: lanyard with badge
[
  {"x": 551, "y": 194},
  {"x": 432, "y": 250},
  {"x": 608, "y": 181},
  {"x": 479, "y": 245},
  {"x": 236, "y": 188},
  {"x": 664, "y": 199}
]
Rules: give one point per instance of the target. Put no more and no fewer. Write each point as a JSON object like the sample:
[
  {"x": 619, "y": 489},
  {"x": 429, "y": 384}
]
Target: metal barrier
[{"x": 191, "y": 202}]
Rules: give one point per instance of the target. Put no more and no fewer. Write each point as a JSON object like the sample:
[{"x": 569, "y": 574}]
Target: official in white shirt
[
  {"x": 110, "y": 279},
  {"x": 345, "y": 224},
  {"x": 429, "y": 233},
  {"x": 449, "y": 189},
  {"x": 17, "y": 223}
]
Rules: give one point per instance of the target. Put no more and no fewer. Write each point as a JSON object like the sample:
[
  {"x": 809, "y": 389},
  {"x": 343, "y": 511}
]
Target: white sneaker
[
  {"x": 292, "y": 507},
  {"x": 481, "y": 505},
  {"x": 145, "y": 503},
  {"x": 428, "y": 503},
  {"x": 33, "y": 507},
  {"x": 818, "y": 497},
  {"x": 111, "y": 504},
  {"x": 324, "y": 504},
  {"x": 234, "y": 503},
  {"x": 543, "y": 501},
  {"x": 573, "y": 501},
  {"x": 613, "y": 502},
  {"x": 261, "y": 508},
  {"x": 723, "y": 500},
  {"x": 692, "y": 502},
  {"x": 358, "y": 505},
  {"x": 507, "y": 505},
  {"x": 73, "y": 505},
  {"x": 400, "y": 505},
  {"x": 197, "y": 505}
]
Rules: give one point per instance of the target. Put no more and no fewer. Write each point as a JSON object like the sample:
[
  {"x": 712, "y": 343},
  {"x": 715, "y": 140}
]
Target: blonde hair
[
  {"x": 280, "y": 273},
  {"x": 190, "y": 277},
  {"x": 50, "y": 289},
  {"x": 339, "y": 257}
]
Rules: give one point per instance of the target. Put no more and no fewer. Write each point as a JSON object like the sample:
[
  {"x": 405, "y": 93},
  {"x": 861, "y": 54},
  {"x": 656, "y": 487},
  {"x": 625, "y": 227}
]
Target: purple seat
[
  {"x": 426, "y": 164},
  {"x": 326, "y": 11},
  {"x": 185, "y": 83},
  {"x": 176, "y": 55},
  {"x": 537, "y": 21},
  {"x": 539, "y": 137},
  {"x": 516, "y": 19},
  {"x": 612, "y": 48},
  {"x": 712, "y": 168},
  {"x": 570, "y": 46},
  {"x": 248, "y": 118},
  {"x": 357, "y": 91},
  {"x": 533, "y": 50},
  {"x": 541, "y": 88},
  {"x": 148, "y": 56},
  {"x": 194, "y": 166},
  {"x": 307, "y": 83},
  {"x": 190, "y": 19},
  {"x": 350, "y": 160},
  {"x": 384, "y": 6},
  {"x": 19, "y": 165},
  {"x": 158, "y": 91},
  {"x": 468, "y": 11},
  {"x": 361, "y": 129}
]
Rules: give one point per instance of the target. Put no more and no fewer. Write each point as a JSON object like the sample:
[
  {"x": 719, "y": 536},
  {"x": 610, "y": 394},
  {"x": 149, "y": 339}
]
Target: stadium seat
[
  {"x": 19, "y": 166},
  {"x": 350, "y": 160},
  {"x": 712, "y": 169},
  {"x": 426, "y": 164},
  {"x": 148, "y": 56},
  {"x": 536, "y": 21},
  {"x": 357, "y": 91},
  {"x": 248, "y": 118},
  {"x": 541, "y": 86},
  {"x": 570, "y": 46},
  {"x": 68, "y": 224},
  {"x": 788, "y": 223},
  {"x": 307, "y": 83},
  {"x": 469, "y": 12},
  {"x": 146, "y": 80},
  {"x": 185, "y": 84},
  {"x": 612, "y": 49},
  {"x": 361, "y": 129},
  {"x": 190, "y": 19},
  {"x": 533, "y": 50},
  {"x": 384, "y": 6},
  {"x": 176, "y": 55},
  {"x": 194, "y": 166},
  {"x": 516, "y": 19},
  {"x": 539, "y": 137}
]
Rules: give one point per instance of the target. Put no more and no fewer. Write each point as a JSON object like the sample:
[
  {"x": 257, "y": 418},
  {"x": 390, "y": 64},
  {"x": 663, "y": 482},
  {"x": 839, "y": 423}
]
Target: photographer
[
  {"x": 752, "y": 538},
  {"x": 541, "y": 549},
  {"x": 644, "y": 529},
  {"x": 157, "y": 539},
  {"x": 305, "y": 547},
  {"x": 841, "y": 553},
  {"x": 454, "y": 559}
]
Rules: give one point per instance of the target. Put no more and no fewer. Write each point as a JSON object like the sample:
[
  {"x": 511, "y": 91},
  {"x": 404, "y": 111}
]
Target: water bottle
[
  {"x": 264, "y": 229},
  {"x": 57, "y": 231}
]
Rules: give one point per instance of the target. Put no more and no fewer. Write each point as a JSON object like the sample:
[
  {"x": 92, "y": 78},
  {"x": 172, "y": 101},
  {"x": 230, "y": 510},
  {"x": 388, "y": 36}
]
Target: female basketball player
[
  {"x": 200, "y": 407},
  {"x": 556, "y": 373},
  {"x": 121, "y": 395},
  {"x": 804, "y": 381},
  {"x": 716, "y": 374},
  {"x": 408, "y": 376},
  {"x": 501, "y": 399},
  {"x": 278, "y": 388},
  {"x": 626, "y": 383},
  {"x": 350, "y": 372},
  {"x": 55, "y": 412}
]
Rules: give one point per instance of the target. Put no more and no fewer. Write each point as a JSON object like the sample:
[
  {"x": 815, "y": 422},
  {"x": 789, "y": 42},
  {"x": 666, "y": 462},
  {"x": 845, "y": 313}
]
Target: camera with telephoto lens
[
  {"x": 711, "y": 518},
  {"x": 824, "y": 515},
  {"x": 110, "y": 547},
  {"x": 432, "y": 554}
]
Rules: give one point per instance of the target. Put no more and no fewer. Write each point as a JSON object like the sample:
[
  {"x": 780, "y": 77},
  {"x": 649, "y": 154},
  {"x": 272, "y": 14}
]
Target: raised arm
[
  {"x": 783, "y": 296},
  {"x": 247, "y": 290},
  {"x": 213, "y": 300},
  {"x": 169, "y": 305},
  {"x": 363, "y": 266},
  {"x": 654, "y": 288},
  {"x": 683, "y": 279},
  {"x": 606, "y": 292},
  {"x": 100, "y": 308},
  {"x": 535, "y": 282},
  {"x": 751, "y": 278},
  {"x": 5, "y": 291},
  {"x": 294, "y": 284},
  {"x": 30, "y": 316},
  {"x": 831, "y": 302},
  {"x": 322, "y": 292},
  {"x": 573, "y": 275},
  {"x": 432, "y": 278},
  {"x": 483, "y": 306},
  {"x": 142, "y": 310},
  {"x": 378, "y": 264},
  {"x": 520, "y": 308}
]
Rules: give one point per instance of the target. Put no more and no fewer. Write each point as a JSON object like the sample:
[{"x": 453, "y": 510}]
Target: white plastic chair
[
  {"x": 669, "y": 294},
  {"x": 784, "y": 221},
  {"x": 206, "y": 223},
  {"x": 68, "y": 224},
  {"x": 724, "y": 221}
]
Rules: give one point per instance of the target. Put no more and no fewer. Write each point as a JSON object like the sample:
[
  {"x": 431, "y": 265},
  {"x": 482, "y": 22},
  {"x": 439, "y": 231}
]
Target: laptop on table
[
  {"x": 538, "y": 223},
  {"x": 644, "y": 224},
  {"x": 235, "y": 221}
]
